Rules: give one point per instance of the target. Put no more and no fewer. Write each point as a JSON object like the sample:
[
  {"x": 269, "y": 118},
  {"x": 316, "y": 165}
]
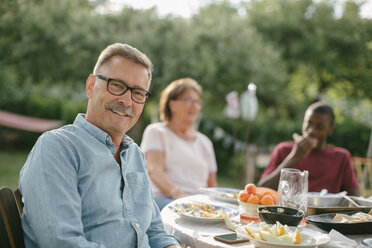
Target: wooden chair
[
  {"x": 363, "y": 168},
  {"x": 11, "y": 233},
  {"x": 18, "y": 197}
]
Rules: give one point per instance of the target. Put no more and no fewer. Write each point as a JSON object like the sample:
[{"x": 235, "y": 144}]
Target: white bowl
[{"x": 248, "y": 208}]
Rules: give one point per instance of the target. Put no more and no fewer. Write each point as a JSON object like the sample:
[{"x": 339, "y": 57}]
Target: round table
[{"x": 200, "y": 235}]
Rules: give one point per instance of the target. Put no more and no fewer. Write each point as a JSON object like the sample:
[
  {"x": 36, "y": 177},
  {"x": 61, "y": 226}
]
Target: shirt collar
[{"x": 99, "y": 133}]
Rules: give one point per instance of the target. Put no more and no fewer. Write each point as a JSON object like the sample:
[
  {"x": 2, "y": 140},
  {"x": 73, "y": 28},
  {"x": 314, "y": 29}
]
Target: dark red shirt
[{"x": 331, "y": 168}]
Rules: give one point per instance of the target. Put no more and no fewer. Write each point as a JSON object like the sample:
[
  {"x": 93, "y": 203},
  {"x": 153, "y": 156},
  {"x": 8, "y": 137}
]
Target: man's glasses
[{"x": 118, "y": 88}]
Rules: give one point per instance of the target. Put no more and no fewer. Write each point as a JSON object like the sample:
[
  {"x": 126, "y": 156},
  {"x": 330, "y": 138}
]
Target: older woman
[{"x": 179, "y": 159}]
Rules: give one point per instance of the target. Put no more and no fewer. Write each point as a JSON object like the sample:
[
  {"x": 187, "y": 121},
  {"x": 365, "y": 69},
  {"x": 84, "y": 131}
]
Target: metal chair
[{"x": 11, "y": 233}]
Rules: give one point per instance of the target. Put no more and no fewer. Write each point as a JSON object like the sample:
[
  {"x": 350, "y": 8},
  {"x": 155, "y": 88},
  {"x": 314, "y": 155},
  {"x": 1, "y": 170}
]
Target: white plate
[
  {"x": 310, "y": 239},
  {"x": 190, "y": 217},
  {"x": 222, "y": 194}
]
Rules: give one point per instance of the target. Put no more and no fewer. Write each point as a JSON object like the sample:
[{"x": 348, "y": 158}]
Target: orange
[
  {"x": 274, "y": 198},
  {"x": 253, "y": 199},
  {"x": 267, "y": 191},
  {"x": 250, "y": 188},
  {"x": 243, "y": 196},
  {"x": 267, "y": 200},
  {"x": 272, "y": 194},
  {"x": 259, "y": 194}
]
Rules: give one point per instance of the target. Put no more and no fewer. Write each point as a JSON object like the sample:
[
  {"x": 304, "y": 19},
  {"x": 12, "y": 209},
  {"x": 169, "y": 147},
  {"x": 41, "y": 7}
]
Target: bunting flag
[
  {"x": 249, "y": 103},
  {"x": 232, "y": 109}
]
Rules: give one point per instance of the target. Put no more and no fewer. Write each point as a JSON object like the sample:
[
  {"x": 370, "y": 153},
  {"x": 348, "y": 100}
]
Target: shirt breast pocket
[{"x": 139, "y": 186}]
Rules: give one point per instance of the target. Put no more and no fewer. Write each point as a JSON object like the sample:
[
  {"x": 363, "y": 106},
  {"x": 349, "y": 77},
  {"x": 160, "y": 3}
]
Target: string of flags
[{"x": 246, "y": 108}]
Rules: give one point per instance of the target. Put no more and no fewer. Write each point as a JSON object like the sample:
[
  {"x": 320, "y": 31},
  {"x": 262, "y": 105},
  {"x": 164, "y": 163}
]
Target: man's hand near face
[{"x": 303, "y": 146}]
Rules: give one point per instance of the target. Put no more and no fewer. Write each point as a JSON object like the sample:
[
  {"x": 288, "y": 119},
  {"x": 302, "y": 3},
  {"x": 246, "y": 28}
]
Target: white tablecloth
[{"x": 200, "y": 235}]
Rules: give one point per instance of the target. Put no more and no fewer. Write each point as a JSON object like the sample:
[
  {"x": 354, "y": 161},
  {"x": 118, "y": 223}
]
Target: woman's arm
[
  {"x": 212, "y": 180},
  {"x": 155, "y": 167}
]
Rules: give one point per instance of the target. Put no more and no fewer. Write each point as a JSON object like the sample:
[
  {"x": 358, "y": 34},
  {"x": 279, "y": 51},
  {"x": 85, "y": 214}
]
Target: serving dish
[
  {"x": 193, "y": 212},
  {"x": 323, "y": 221},
  {"x": 285, "y": 215},
  {"x": 310, "y": 239},
  {"x": 315, "y": 199},
  {"x": 222, "y": 194},
  {"x": 343, "y": 206}
]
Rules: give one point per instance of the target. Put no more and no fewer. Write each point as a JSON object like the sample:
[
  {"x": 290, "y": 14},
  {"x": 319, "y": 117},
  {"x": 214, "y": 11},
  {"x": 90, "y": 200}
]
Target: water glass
[{"x": 292, "y": 189}]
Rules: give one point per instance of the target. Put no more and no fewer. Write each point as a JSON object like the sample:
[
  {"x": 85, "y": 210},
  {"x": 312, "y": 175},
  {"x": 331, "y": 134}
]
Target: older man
[{"x": 86, "y": 184}]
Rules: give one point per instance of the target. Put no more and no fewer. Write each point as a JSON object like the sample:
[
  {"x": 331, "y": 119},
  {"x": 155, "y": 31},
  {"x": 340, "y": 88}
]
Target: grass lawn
[{"x": 12, "y": 162}]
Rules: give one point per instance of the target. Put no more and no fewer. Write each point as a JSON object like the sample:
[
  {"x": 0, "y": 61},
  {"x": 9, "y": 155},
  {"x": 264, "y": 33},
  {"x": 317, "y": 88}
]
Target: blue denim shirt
[{"x": 74, "y": 196}]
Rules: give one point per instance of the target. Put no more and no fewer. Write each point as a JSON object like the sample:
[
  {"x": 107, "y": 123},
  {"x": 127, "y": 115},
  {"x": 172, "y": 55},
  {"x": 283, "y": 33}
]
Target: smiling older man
[{"x": 86, "y": 184}]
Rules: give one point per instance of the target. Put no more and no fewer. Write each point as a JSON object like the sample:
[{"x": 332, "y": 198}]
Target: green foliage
[
  {"x": 351, "y": 135},
  {"x": 334, "y": 49},
  {"x": 296, "y": 51}
]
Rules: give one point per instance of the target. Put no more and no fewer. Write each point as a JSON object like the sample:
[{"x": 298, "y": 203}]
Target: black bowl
[{"x": 284, "y": 215}]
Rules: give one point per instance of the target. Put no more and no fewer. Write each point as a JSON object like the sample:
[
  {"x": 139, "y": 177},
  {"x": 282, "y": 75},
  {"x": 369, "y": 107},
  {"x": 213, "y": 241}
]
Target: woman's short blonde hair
[{"x": 173, "y": 91}]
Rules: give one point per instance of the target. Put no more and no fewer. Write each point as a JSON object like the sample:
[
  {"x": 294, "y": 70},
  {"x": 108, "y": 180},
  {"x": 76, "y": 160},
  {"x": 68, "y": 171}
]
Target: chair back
[
  {"x": 363, "y": 168},
  {"x": 19, "y": 200},
  {"x": 11, "y": 233}
]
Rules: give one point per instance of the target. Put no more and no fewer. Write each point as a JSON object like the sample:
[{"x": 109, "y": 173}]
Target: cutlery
[{"x": 343, "y": 194}]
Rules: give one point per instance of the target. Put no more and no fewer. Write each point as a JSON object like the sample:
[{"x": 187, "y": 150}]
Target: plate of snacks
[
  {"x": 278, "y": 236},
  {"x": 356, "y": 222},
  {"x": 222, "y": 194},
  {"x": 202, "y": 212}
]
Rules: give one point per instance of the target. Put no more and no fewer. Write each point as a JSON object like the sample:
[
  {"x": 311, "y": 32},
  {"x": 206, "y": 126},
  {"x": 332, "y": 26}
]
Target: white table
[{"x": 200, "y": 235}]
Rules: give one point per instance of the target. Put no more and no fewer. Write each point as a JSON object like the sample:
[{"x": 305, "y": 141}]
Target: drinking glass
[{"x": 292, "y": 189}]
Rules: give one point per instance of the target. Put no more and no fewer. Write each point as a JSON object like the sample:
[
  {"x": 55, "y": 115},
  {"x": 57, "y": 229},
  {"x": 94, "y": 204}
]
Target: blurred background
[{"x": 294, "y": 51}]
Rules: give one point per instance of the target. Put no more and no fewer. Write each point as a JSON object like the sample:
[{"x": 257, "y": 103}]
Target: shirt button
[
  {"x": 107, "y": 139},
  {"x": 137, "y": 225}
]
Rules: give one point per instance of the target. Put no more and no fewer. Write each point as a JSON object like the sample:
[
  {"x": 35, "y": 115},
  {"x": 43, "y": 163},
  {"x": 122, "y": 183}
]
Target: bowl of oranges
[{"x": 252, "y": 197}]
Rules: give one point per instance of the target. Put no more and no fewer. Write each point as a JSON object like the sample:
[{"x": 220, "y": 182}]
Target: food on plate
[
  {"x": 354, "y": 218},
  {"x": 199, "y": 209},
  {"x": 276, "y": 233},
  {"x": 233, "y": 195},
  {"x": 230, "y": 224},
  {"x": 222, "y": 194},
  {"x": 257, "y": 195},
  {"x": 279, "y": 210}
]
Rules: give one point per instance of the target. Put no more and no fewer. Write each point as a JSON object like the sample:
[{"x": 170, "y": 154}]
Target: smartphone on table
[{"x": 230, "y": 238}]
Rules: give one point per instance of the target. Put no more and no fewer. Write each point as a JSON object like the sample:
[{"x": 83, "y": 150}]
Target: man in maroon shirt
[{"x": 329, "y": 167}]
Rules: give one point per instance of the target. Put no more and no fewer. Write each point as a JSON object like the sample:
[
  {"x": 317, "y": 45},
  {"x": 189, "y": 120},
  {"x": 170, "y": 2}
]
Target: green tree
[{"x": 331, "y": 51}]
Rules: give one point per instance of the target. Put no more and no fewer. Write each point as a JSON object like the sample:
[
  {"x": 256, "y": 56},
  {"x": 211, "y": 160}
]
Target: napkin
[{"x": 338, "y": 240}]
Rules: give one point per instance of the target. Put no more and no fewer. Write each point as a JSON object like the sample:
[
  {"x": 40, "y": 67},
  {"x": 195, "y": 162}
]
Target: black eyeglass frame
[{"x": 107, "y": 79}]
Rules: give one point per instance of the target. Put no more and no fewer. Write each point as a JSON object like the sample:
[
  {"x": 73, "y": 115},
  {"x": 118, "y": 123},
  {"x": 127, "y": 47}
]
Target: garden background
[{"x": 295, "y": 51}]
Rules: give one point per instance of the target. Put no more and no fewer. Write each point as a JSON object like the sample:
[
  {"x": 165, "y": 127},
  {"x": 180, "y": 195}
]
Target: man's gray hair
[{"x": 126, "y": 51}]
